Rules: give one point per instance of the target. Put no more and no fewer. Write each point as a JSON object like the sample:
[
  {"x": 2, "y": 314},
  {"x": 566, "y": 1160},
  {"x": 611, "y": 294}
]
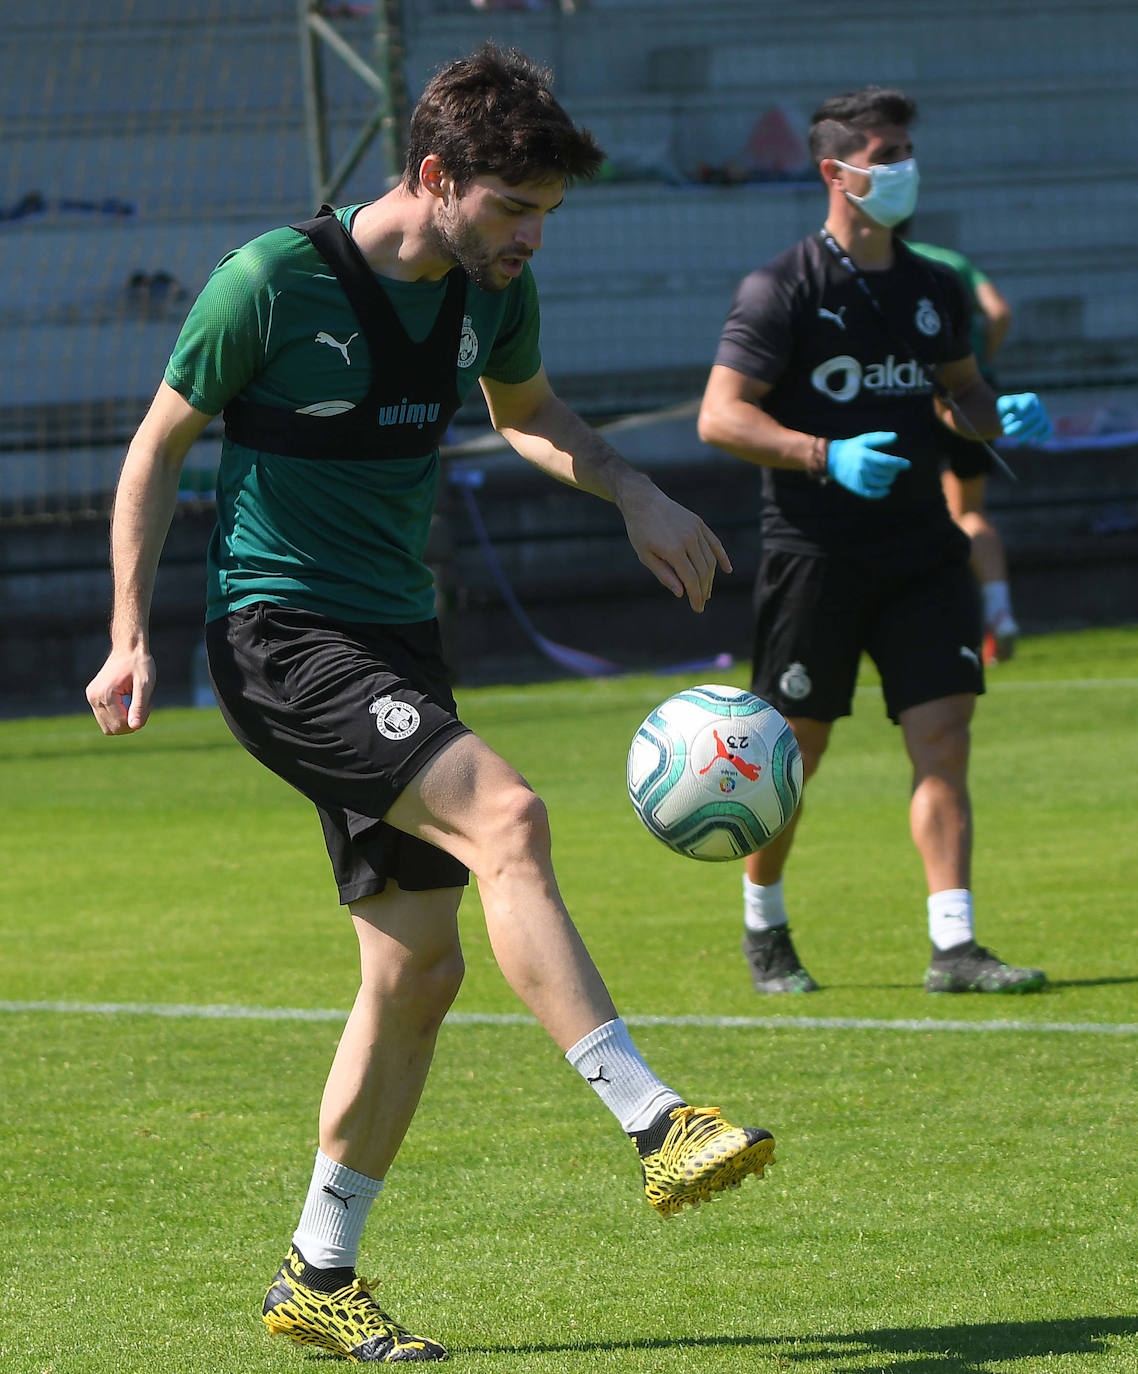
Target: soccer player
[
  {"x": 338, "y": 350},
  {"x": 833, "y": 373},
  {"x": 969, "y": 465}
]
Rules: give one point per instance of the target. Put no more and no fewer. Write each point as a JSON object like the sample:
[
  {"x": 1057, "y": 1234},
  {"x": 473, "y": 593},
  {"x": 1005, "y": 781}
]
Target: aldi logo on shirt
[{"x": 844, "y": 378}]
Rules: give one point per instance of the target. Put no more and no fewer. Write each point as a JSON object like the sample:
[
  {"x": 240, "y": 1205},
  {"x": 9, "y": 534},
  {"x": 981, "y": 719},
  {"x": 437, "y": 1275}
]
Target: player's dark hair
[
  {"x": 840, "y": 125},
  {"x": 493, "y": 114}
]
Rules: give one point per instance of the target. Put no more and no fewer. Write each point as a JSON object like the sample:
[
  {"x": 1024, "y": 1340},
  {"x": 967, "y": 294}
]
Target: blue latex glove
[
  {"x": 1023, "y": 418},
  {"x": 859, "y": 465}
]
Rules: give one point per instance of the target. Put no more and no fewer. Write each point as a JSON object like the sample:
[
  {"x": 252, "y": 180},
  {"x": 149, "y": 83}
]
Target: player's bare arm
[
  {"x": 997, "y": 312},
  {"x": 144, "y": 506},
  {"x": 972, "y": 413},
  {"x": 671, "y": 541},
  {"x": 731, "y": 418}
]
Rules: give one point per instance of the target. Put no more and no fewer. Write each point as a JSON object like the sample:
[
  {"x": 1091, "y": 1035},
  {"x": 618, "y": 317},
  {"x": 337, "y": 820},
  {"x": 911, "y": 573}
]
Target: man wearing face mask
[{"x": 839, "y": 367}]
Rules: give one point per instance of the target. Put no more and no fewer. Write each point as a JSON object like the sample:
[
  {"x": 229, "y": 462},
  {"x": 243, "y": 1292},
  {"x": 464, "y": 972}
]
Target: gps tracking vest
[{"x": 413, "y": 394}]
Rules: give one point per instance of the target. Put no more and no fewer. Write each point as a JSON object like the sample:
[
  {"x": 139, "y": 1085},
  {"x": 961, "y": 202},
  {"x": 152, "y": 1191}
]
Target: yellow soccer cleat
[
  {"x": 349, "y": 1322},
  {"x": 691, "y": 1154}
]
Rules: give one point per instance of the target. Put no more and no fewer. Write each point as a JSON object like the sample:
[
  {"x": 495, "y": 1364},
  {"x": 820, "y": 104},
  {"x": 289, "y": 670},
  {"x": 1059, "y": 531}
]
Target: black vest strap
[{"x": 412, "y": 396}]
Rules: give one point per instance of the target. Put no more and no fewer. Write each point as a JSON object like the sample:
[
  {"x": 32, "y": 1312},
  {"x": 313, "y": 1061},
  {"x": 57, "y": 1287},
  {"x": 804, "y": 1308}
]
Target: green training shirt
[{"x": 345, "y": 539}]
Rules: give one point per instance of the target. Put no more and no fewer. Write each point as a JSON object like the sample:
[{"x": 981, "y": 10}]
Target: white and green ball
[{"x": 715, "y": 773}]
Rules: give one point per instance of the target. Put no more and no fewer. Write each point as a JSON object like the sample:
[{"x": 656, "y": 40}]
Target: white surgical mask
[{"x": 892, "y": 194}]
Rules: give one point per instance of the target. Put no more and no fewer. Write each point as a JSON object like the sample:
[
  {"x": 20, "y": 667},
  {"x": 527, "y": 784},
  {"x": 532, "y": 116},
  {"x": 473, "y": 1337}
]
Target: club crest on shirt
[
  {"x": 927, "y": 320},
  {"x": 467, "y": 344},
  {"x": 394, "y": 719}
]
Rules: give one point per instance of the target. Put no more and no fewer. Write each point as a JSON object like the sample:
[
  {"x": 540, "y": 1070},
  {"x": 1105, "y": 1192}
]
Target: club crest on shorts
[
  {"x": 795, "y": 683},
  {"x": 394, "y": 719}
]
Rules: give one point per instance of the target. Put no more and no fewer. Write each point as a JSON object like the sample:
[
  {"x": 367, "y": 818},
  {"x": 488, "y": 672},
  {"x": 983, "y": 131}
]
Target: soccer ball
[{"x": 715, "y": 773}]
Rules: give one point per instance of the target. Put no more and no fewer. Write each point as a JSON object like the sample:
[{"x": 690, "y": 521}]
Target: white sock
[
  {"x": 763, "y": 907},
  {"x": 997, "y": 601},
  {"x": 950, "y": 917},
  {"x": 338, "y": 1203},
  {"x": 610, "y": 1063}
]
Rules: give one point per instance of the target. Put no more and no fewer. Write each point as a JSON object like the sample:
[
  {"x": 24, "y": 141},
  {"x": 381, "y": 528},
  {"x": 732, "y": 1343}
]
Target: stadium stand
[{"x": 143, "y": 141}]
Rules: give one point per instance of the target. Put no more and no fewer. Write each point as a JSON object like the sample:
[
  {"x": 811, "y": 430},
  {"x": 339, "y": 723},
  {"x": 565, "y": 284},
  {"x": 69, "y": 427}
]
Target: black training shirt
[{"x": 837, "y": 368}]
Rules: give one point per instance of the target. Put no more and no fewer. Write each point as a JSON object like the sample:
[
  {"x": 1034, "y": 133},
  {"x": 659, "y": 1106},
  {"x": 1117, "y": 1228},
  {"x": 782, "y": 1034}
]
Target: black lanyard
[
  {"x": 893, "y": 336},
  {"x": 855, "y": 271}
]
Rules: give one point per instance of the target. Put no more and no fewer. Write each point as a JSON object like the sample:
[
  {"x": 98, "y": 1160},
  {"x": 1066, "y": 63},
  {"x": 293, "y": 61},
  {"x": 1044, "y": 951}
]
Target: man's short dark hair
[
  {"x": 493, "y": 114},
  {"x": 840, "y": 125}
]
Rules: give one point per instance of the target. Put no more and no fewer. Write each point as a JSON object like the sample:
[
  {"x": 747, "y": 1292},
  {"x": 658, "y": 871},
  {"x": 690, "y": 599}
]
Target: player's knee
[
  {"x": 524, "y": 821},
  {"x": 428, "y": 985},
  {"x": 945, "y": 749},
  {"x": 975, "y": 524},
  {"x": 515, "y": 829},
  {"x": 444, "y": 979},
  {"x": 812, "y": 737}
]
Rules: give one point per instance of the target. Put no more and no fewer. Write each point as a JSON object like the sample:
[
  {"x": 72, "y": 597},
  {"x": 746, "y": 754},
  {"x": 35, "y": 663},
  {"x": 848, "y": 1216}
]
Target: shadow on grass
[
  {"x": 965, "y": 1349},
  {"x": 99, "y": 747},
  {"x": 1003, "y": 999},
  {"x": 1091, "y": 982}
]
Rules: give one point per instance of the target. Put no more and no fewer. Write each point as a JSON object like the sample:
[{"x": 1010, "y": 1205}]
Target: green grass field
[{"x": 948, "y": 1198}]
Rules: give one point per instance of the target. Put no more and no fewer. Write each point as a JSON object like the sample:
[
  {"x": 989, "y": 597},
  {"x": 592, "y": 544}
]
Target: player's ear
[{"x": 435, "y": 178}]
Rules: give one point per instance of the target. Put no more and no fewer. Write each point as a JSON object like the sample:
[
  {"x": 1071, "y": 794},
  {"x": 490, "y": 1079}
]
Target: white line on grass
[{"x": 477, "y": 1018}]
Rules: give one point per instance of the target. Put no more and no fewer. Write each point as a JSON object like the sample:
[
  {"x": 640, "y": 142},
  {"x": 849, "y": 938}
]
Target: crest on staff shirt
[{"x": 927, "y": 320}]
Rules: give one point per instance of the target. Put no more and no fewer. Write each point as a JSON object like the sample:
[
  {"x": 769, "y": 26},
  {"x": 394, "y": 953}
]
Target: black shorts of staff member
[
  {"x": 347, "y": 713},
  {"x": 815, "y": 617}
]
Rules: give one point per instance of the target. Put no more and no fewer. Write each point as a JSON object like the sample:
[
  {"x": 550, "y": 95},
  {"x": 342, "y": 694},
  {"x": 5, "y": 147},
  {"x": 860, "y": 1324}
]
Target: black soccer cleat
[
  {"x": 774, "y": 964},
  {"x": 969, "y": 967}
]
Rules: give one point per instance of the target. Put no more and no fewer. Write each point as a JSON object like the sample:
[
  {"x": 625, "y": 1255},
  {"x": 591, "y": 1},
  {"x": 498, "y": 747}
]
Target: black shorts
[
  {"x": 965, "y": 458},
  {"x": 814, "y": 617},
  {"x": 348, "y": 714}
]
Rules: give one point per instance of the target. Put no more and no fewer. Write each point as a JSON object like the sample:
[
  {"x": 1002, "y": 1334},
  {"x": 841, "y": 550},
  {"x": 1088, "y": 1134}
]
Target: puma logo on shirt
[{"x": 325, "y": 338}]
